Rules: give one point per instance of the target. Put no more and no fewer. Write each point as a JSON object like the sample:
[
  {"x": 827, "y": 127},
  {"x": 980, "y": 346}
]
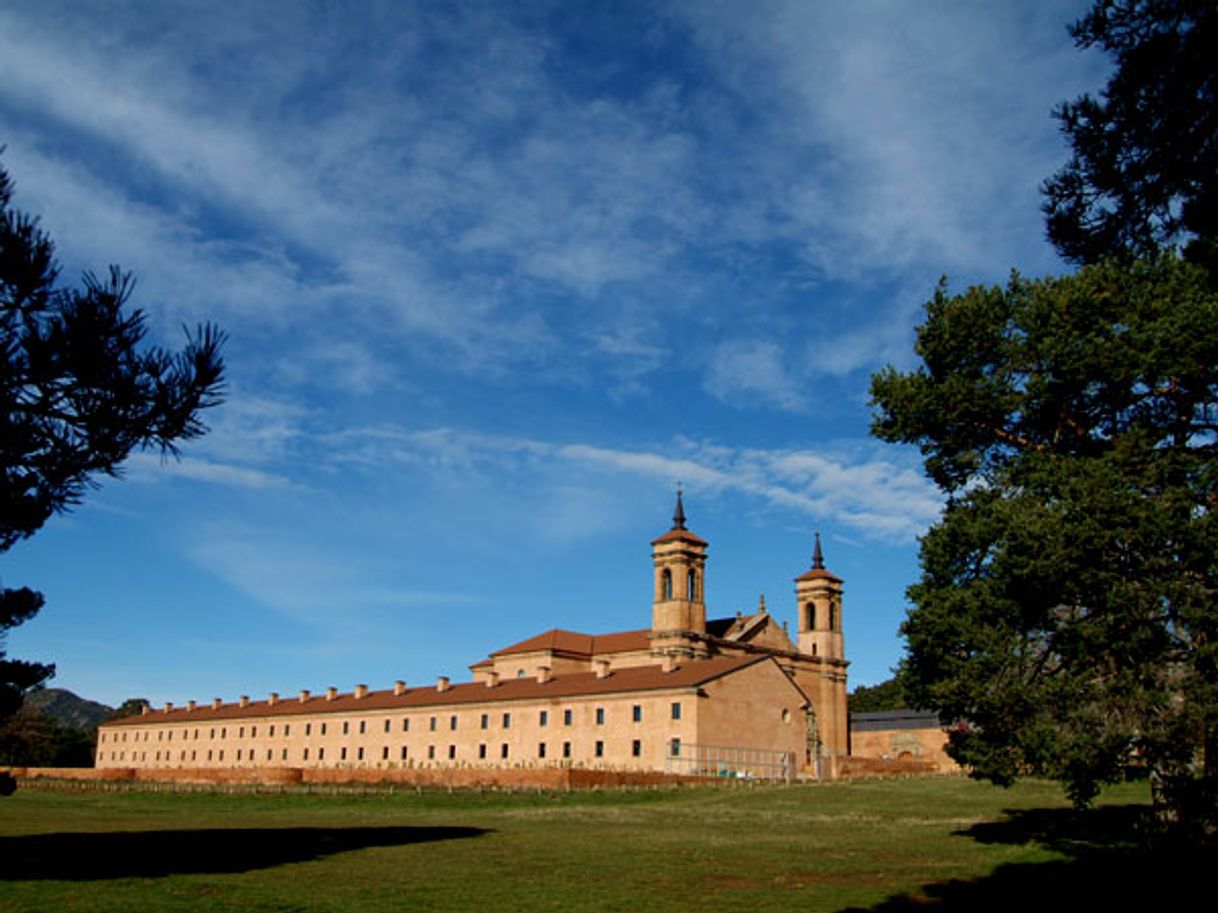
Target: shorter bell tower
[
  {"x": 819, "y": 595},
  {"x": 678, "y": 608}
]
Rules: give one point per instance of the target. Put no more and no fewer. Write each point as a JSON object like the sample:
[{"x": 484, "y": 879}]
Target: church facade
[{"x": 688, "y": 695}]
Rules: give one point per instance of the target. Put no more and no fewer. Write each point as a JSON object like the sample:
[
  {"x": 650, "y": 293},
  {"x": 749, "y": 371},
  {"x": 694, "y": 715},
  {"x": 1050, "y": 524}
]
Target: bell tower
[
  {"x": 819, "y": 595},
  {"x": 678, "y": 608}
]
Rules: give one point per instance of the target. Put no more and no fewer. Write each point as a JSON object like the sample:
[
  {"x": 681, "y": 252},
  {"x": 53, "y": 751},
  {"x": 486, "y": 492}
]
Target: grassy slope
[{"x": 885, "y": 845}]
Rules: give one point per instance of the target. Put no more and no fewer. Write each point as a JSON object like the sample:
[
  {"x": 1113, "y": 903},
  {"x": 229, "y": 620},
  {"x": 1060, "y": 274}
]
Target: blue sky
[{"x": 495, "y": 277}]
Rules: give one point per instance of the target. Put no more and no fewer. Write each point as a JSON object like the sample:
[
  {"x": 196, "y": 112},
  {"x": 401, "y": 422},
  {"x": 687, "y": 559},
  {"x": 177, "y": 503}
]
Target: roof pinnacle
[
  {"x": 678, "y": 516},
  {"x": 818, "y": 557}
]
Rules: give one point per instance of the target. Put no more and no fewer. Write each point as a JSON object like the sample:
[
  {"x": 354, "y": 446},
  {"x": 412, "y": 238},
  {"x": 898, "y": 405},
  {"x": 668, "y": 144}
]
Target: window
[
  {"x": 209, "y": 754},
  {"x": 503, "y": 751},
  {"x": 566, "y": 717},
  {"x": 363, "y": 726},
  {"x": 323, "y": 728},
  {"x": 304, "y": 755},
  {"x": 666, "y": 583},
  {"x": 676, "y": 710},
  {"x": 600, "y": 716},
  {"x": 342, "y": 753},
  {"x": 221, "y": 754},
  {"x": 636, "y": 713},
  {"x": 346, "y": 727},
  {"x": 359, "y": 754},
  {"x": 272, "y": 732},
  {"x": 283, "y": 755},
  {"x": 599, "y": 749},
  {"x": 287, "y": 729},
  {"x": 691, "y": 586},
  {"x": 482, "y": 751},
  {"x": 431, "y": 724},
  {"x": 385, "y": 753},
  {"x": 485, "y": 721},
  {"x": 452, "y": 722},
  {"x": 541, "y": 749},
  {"x": 253, "y": 731},
  {"x": 269, "y": 754},
  {"x": 452, "y": 752},
  {"x": 321, "y": 754},
  {"x": 543, "y": 718},
  {"x": 674, "y": 748},
  {"x": 636, "y": 747},
  {"x": 308, "y": 728},
  {"x": 507, "y": 721},
  {"x": 405, "y": 724},
  {"x": 431, "y": 752},
  {"x": 240, "y": 733},
  {"x": 566, "y": 749},
  {"x": 386, "y": 725},
  {"x": 403, "y": 752},
  {"x": 223, "y": 732}
]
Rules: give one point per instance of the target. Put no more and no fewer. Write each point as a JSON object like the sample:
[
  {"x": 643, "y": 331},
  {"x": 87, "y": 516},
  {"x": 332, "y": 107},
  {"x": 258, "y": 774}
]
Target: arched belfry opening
[
  {"x": 819, "y": 595},
  {"x": 678, "y": 616}
]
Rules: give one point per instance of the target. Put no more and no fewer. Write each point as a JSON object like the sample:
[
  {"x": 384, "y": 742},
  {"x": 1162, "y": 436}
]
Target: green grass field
[{"x": 897, "y": 845}]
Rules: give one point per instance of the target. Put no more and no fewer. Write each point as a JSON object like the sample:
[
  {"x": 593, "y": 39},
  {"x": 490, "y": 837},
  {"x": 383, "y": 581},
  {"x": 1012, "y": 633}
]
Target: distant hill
[{"x": 65, "y": 707}]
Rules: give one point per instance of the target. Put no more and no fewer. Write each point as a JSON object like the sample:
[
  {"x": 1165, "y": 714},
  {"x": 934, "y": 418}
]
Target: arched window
[
  {"x": 666, "y": 583},
  {"x": 811, "y": 610},
  {"x": 691, "y": 588},
  {"x": 832, "y": 617}
]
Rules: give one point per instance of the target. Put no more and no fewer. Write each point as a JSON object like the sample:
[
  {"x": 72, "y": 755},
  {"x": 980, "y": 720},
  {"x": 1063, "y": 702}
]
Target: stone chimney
[
  {"x": 543, "y": 675},
  {"x": 245, "y": 700},
  {"x": 602, "y": 667},
  {"x": 669, "y": 664},
  {"x": 304, "y": 695},
  {"x": 168, "y": 706},
  {"x": 190, "y": 705},
  {"x": 442, "y": 683},
  {"x": 361, "y": 691},
  {"x": 492, "y": 679},
  {"x": 331, "y": 693},
  {"x": 399, "y": 687},
  {"x": 273, "y": 699},
  {"x": 215, "y": 703}
]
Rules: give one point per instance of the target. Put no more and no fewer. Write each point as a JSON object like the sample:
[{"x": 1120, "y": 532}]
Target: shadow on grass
[
  {"x": 1109, "y": 865},
  {"x": 154, "y": 854}
]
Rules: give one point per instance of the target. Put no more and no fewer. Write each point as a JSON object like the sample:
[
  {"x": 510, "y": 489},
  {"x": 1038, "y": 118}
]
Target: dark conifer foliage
[{"x": 79, "y": 391}]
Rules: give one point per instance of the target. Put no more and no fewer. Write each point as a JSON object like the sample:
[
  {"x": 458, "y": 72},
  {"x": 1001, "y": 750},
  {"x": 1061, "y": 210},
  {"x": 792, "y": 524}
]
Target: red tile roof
[
  {"x": 682, "y": 535},
  {"x": 575, "y": 644},
  {"x": 579, "y": 684},
  {"x": 818, "y": 573}
]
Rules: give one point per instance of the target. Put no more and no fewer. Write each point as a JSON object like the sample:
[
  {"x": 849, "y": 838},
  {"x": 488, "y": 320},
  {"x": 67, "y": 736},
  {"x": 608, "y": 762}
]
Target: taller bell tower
[
  {"x": 819, "y": 595},
  {"x": 678, "y": 608}
]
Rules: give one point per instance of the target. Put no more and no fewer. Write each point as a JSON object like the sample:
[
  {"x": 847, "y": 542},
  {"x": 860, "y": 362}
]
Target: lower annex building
[{"x": 727, "y": 697}]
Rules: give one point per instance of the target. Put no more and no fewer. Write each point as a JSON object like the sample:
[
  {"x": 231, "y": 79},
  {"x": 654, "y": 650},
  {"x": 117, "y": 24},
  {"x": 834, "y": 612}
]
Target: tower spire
[
  {"x": 678, "y": 515},
  {"x": 818, "y": 558}
]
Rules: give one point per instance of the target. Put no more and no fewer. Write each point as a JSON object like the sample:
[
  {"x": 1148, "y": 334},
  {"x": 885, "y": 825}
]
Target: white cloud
[{"x": 148, "y": 467}]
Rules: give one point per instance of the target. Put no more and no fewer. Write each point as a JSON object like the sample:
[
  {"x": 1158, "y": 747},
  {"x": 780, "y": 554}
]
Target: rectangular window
[
  {"x": 507, "y": 721},
  {"x": 287, "y": 729},
  {"x": 308, "y": 728},
  {"x": 283, "y": 755},
  {"x": 566, "y": 749},
  {"x": 482, "y": 751},
  {"x": 541, "y": 749},
  {"x": 363, "y": 726},
  {"x": 600, "y": 716},
  {"x": 404, "y": 752},
  {"x": 385, "y": 753},
  {"x": 452, "y": 752},
  {"x": 223, "y": 732},
  {"x": 432, "y": 724},
  {"x": 566, "y": 717},
  {"x": 503, "y": 749},
  {"x": 359, "y": 754},
  {"x": 636, "y": 713},
  {"x": 599, "y": 749},
  {"x": 192, "y": 755},
  {"x": 158, "y": 755},
  {"x": 485, "y": 721},
  {"x": 405, "y": 724},
  {"x": 253, "y": 732},
  {"x": 676, "y": 710},
  {"x": 240, "y": 733},
  {"x": 674, "y": 748},
  {"x": 431, "y": 752},
  {"x": 321, "y": 754},
  {"x": 304, "y": 755},
  {"x": 323, "y": 728},
  {"x": 636, "y": 747},
  {"x": 221, "y": 754},
  {"x": 543, "y": 718},
  {"x": 386, "y": 725},
  {"x": 452, "y": 722},
  {"x": 209, "y": 754},
  {"x": 346, "y": 727},
  {"x": 269, "y": 755},
  {"x": 272, "y": 732},
  {"x": 342, "y": 753}
]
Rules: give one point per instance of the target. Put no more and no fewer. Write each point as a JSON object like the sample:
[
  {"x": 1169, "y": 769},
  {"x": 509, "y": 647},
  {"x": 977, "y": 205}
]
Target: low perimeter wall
[{"x": 513, "y": 778}]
